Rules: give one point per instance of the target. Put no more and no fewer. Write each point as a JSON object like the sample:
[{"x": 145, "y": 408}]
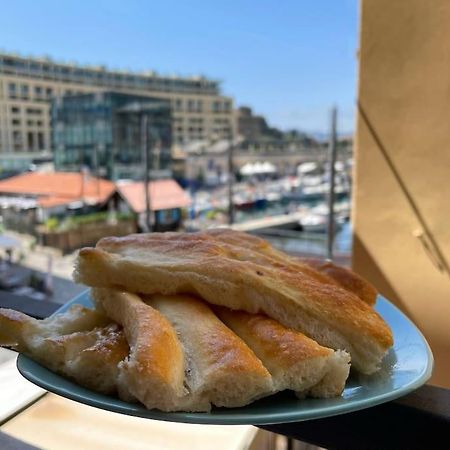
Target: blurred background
[
  {"x": 153, "y": 117},
  {"x": 320, "y": 126}
]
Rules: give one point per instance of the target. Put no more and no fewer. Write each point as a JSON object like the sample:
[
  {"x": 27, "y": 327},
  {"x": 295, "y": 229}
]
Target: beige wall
[{"x": 404, "y": 97}]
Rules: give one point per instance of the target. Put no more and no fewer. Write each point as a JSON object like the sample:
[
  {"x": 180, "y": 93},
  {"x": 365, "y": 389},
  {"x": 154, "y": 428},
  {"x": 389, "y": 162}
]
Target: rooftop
[
  {"x": 47, "y": 68},
  {"x": 58, "y": 188},
  {"x": 164, "y": 194}
]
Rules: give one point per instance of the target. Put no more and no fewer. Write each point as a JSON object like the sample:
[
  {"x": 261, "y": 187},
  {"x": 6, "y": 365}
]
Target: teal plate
[{"x": 407, "y": 366}]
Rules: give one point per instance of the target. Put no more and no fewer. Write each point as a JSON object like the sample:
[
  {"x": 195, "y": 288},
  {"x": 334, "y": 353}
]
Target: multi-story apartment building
[{"x": 27, "y": 86}]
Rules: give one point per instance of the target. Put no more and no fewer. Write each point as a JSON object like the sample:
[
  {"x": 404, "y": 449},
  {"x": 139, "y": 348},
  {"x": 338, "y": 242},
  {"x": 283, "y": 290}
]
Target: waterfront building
[
  {"x": 102, "y": 132},
  {"x": 29, "y": 200},
  {"x": 28, "y": 85},
  {"x": 166, "y": 202}
]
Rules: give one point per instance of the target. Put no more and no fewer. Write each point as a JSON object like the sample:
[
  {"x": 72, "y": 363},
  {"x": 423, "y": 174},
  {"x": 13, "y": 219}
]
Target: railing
[
  {"x": 420, "y": 420},
  {"x": 303, "y": 243}
]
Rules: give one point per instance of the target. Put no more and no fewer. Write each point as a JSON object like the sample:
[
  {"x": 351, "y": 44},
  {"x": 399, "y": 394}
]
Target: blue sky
[{"x": 288, "y": 59}]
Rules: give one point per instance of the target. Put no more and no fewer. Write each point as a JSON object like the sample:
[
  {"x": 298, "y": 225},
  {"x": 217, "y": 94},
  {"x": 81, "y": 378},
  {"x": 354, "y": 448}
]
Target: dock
[{"x": 285, "y": 221}]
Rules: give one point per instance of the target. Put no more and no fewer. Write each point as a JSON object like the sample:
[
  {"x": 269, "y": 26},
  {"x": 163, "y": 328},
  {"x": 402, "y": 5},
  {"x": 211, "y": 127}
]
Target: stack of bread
[{"x": 184, "y": 322}]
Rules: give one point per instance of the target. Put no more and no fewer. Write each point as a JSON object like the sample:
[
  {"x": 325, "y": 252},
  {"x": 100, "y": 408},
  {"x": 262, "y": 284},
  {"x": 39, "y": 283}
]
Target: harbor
[
  {"x": 291, "y": 208},
  {"x": 291, "y": 212}
]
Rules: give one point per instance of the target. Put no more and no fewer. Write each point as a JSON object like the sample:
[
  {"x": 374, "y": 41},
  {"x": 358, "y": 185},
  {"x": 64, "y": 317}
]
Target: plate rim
[{"x": 237, "y": 418}]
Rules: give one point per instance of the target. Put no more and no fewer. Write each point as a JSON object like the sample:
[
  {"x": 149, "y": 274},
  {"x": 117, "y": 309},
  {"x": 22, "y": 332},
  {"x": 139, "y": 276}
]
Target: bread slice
[
  {"x": 321, "y": 270},
  {"x": 220, "y": 367},
  {"x": 295, "y": 361},
  {"x": 90, "y": 357},
  {"x": 154, "y": 371},
  {"x": 236, "y": 275},
  {"x": 345, "y": 278},
  {"x": 22, "y": 330}
]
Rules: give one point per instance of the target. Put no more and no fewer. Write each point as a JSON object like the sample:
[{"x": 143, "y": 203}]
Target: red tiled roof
[
  {"x": 58, "y": 188},
  {"x": 164, "y": 194}
]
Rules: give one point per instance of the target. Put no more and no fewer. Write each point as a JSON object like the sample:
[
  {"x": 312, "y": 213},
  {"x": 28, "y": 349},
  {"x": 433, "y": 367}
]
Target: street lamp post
[
  {"x": 230, "y": 184},
  {"x": 146, "y": 155},
  {"x": 332, "y": 160}
]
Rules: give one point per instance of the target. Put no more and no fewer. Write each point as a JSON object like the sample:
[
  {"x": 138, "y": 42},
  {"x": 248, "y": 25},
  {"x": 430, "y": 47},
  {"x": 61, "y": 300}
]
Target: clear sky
[{"x": 288, "y": 59}]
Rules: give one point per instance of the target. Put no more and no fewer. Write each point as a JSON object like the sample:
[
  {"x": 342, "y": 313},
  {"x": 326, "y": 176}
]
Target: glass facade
[{"x": 102, "y": 132}]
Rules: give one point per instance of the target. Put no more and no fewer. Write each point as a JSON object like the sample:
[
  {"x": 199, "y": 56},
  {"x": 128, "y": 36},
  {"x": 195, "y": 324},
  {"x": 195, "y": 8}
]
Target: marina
[{"x": 291, "y": 212}]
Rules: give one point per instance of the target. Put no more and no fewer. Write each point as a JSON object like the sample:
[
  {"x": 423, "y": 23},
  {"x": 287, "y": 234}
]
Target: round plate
[{"x": 407, "y": 366}]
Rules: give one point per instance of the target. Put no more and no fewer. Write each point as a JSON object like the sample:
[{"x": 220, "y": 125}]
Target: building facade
[
  {"x": 250, "y": 126},
  {"x": 253, "y": 127},
  {"x": 102, "y": 132},
  {"x": 28, "y": 85}
]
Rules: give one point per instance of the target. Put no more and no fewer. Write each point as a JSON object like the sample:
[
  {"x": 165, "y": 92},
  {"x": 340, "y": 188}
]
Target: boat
[{"x": 316, "y": 223}]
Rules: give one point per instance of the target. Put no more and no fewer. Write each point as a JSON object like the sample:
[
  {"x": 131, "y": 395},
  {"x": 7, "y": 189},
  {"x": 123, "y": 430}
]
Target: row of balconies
[{"x": 86, "y": 76}]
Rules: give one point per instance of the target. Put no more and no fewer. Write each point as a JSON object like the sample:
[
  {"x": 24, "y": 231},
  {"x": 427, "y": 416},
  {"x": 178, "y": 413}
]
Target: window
[
  {"x": 12, "y": 90},
  {"x": 30, "y": 123},
  {"x": 199, "y": 106},
  {"x": 17, "y": 137},
  {"x": 41, "y": 145},
  {"x": 227, "y": 106},
  {"x": 16, "y": 122},
  {"x": 191, "y": 105},
  {"x": 34, "y": 111},
  {"x": 39, "y": 123},
  {"x": 15, "y": 110},
  {"x": 178, "y": 104},
  {"x": 30, "y": 140},
  {"x": 24, "y": 91},
  {"x": 216, "y": 106},
  {"x": 167, "y": 216},
  {"x": 49, "y": 92},
  {"x": 37, "y": 91}
]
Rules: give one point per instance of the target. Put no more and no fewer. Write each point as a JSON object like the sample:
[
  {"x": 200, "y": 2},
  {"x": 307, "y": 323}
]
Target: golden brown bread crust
[
  {"x": 263, "y": 248},
  {"x": 295, "y": 361},
  {"x": 283, "y": 345},
  {"x": 346, "y": 278},
  {"x": 220, "y": 368},
  {"x": 321, "y": 270},
  {"x": 154, "y": 371},
  {"x": 232, "y": 273},
  {"x": 13, "y": 325}
]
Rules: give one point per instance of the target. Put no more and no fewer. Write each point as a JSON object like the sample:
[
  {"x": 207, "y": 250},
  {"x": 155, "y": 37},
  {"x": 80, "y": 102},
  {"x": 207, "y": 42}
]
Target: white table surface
[{"x": 15, "y": 391}]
